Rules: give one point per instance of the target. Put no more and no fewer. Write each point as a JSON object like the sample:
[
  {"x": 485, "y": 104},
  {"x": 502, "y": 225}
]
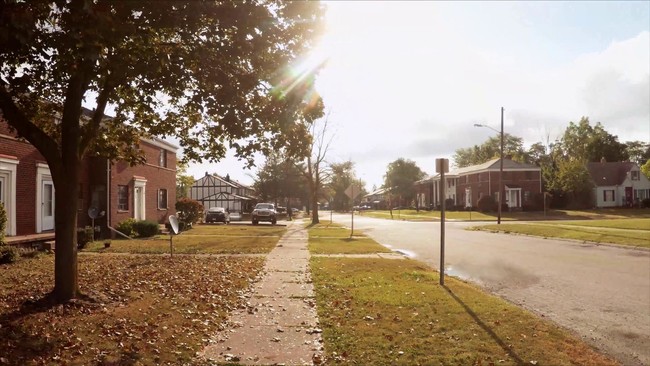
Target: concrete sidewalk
[{"x": 279, "y": 325}]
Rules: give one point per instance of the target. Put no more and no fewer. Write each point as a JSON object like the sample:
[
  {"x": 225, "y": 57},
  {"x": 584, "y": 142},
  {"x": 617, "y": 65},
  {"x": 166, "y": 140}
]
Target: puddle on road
[{"x": 405, "y": 252}]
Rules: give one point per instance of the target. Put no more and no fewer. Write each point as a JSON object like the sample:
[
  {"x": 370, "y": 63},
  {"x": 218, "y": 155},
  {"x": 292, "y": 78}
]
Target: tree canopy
[
  {"x": 215, "y": 74},
  {"x": 400, "y": 176},
  {"x": 342, "y": 175},
  {"x": 490, "y": 149},
  {"x": 584, "y": 142}
]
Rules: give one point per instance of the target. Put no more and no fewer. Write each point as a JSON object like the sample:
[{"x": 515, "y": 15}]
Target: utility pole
[{"x": 501, "y": 195}]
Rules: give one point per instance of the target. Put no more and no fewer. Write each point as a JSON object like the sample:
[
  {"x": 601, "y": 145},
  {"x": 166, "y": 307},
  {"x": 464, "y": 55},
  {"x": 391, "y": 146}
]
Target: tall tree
[
  {"x": 490, "y": 149},
  {"x": 205, "y": 71},
  {"x": 342, "y": 175},
  {"x": 645, "y": 168},
  {"x": 400, "y": 176},
  {"x": 315, "y": 169},
  {"x": 183, "y": 180},
  {"x": 638, "y": 151},
  {"x": 280, "y": 179},
  {"x": 584, "y": 142}
]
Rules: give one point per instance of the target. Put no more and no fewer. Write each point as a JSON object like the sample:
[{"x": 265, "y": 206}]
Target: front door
[
  {"x": 629, "y": 199},
  {"x": 47, "y": 205},
  {"x": 138, "y": 204}
]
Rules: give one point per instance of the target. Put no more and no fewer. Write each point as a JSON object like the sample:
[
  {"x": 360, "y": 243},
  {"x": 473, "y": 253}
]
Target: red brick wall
[
  {"x": 28, "y": 157},
  {"x": 528, "y": 181},
  {"x": 157, "y": 177}
]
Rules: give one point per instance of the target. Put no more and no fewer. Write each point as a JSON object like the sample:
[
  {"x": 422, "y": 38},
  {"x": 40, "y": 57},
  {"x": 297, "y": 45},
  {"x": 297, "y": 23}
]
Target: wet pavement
[{"x": 279, "y": 324}]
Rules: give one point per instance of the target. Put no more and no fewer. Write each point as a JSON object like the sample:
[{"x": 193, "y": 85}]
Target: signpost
[
  {"x": 173, "y": 222},
  {"x": 352, "y": 192},
  {"x": 442, "y": 167}
]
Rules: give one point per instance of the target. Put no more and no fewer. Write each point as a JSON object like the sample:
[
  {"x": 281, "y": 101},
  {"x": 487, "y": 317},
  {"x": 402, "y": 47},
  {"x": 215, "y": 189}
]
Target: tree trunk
[
  {"x": 314, "y": 208},
  {"x": 65, "y": 226}
]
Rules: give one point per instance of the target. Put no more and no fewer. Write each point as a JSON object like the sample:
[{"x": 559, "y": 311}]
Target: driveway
[{"x": 600, "y": 292}]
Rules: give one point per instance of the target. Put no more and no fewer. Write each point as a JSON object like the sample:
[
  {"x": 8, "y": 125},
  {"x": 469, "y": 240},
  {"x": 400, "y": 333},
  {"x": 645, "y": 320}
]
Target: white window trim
[
  {"x": 140, "y": 183},
  {"x": 8, "y": 168},
  {"x": 42, "y": 173}
]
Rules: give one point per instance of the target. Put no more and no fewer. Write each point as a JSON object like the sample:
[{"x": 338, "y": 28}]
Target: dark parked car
[
  {"x": 264, "y": 212},
  {"x": 217, "y": 214}
]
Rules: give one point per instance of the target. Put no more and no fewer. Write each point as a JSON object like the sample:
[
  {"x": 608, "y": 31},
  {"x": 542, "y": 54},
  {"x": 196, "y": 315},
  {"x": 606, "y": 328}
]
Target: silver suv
[{"x": 264, "y": 212}]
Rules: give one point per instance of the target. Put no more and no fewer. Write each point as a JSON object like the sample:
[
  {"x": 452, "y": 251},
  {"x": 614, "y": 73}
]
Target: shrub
[
  {"x": 126, "y": 227},
  {"x": 188, "y": 210},
  {"x": 487, "y": 204},
  {"x": 8, "y": 254},
  {"x": 449, "y": 204},
  {"x": 145, "y": 229},
  {"x": 645, "y": 203},
  {"x": 3, "y": 223},
  {"x": 84, "y": 236}
]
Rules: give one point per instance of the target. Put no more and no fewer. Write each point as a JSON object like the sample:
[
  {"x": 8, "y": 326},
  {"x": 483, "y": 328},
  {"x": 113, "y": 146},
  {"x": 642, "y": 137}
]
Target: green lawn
[
  {"x": 613, "y": 213},
  {"x": 335, "y": 239},
  {"x": 629, "y": 232},
  {"x": 208, "y": 239},
  {"x": 394, "y": 312}
]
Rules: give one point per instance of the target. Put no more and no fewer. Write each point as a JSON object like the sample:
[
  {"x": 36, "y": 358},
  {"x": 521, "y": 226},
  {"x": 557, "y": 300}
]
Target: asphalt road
[{"x": 600, "y": 292}]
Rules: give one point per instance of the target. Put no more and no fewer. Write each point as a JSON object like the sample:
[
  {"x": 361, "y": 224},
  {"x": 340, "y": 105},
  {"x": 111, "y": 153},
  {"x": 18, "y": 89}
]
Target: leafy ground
[
  {"x": 148, "y": 310},
  {"x": 390, "y": 312},
  {"x": 335, "y": 239},
  {"x": 630, "y": 232},
  {"x": 613, "y": 213},
  {"x": 210, "y": 239}
]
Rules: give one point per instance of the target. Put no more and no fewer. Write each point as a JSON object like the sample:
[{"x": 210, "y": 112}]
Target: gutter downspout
[{"x": 108, "y": 201}]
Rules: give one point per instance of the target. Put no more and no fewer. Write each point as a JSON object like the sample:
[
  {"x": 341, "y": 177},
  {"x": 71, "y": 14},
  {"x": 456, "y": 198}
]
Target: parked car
[
  {"x": 217, "y": 214},
  {"x": 294, "y": 210},
  {"x": 235, "y": 216},
  {"x": 264, "y": 212}
]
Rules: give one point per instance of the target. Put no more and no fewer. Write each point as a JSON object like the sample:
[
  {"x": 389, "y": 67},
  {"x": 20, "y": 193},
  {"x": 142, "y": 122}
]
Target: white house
[
  {"x": 618, "y": 184},
  {"x": 213, "y": 190}
]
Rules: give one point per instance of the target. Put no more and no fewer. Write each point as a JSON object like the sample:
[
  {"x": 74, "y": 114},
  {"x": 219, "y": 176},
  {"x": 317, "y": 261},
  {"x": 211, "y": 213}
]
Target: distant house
[
  {"x": 377, "y": 199},
  {"x": 213, "y": 190},
  {"x": 465, "y": 186},
  {"x": 618, "y": 184},
  {"x": 120, "y": 191}
]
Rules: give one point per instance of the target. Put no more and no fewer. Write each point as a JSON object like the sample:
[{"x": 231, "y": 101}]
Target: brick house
[
  {"x": 27, "y": 191},
  {"x": 618, "y": 184},
  {"x": 465, "y": 186}
]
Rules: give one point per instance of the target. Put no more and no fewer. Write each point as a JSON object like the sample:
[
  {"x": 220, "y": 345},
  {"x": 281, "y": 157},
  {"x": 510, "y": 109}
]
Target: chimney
[
  {"x": 227, "y": 177},
  {"x": 206, "y": 174},
  {"x": 603, "y": 160}
]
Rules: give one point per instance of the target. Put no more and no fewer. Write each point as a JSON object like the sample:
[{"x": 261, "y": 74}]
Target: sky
[{"x": 410, "y": 79}]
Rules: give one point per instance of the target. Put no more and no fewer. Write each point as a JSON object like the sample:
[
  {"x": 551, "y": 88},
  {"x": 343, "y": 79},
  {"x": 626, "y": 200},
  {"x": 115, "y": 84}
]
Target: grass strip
[
  {"x": 206, "y": 239},
  {"x": 387, "y": 312},
  {"x": 135, "y": 310},
  {"x": 598, "y": 214},
  {"x": 597, "y": 234},
  {"x": 335, "y": 239}
]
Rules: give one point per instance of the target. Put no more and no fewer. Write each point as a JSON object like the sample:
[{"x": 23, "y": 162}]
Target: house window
[
  {"x": 162, "y": 159},
  {"x": 162, "y": 198},
  {"x": 608, "y": 195},
  {"x": 123, "y": 198},
  {"x": 635, "y": 175}
]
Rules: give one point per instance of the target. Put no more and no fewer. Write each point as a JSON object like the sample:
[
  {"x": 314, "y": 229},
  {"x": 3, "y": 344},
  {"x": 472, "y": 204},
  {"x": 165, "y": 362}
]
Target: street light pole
[{"x": 501, "y": 198}]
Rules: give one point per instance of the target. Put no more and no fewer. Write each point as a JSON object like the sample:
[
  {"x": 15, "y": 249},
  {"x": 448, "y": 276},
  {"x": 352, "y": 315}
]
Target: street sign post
[
  {"x": 352, "y": 192},
  {"x": 442, "y": 167}
]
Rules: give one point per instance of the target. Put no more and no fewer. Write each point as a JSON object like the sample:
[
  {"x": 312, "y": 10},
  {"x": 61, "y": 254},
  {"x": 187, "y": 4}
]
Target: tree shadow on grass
[
  {"x": 486, "y": 328},
  {"x": 22, "y": 342}
]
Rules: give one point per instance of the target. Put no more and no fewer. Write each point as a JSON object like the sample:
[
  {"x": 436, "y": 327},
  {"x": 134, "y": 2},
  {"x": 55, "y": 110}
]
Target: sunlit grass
[
  {"x": 613, "y": 213},
  {"x": 629, "y": 232},
  {"x": 335, "y": 239},
  {"x": 394, "y": 312},
  {"x": 207, "y": 239}
]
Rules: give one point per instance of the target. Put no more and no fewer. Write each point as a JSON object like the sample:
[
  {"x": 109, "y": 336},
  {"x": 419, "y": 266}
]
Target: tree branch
[
  {"x": 25, "y": 128},
  {"x": 97, "y": 118}
]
